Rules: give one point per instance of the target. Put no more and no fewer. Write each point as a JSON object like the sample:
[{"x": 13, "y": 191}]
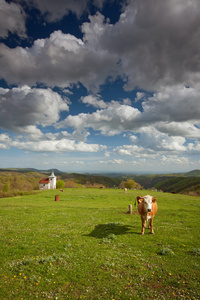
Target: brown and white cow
[{"x": 147, "y": 208}]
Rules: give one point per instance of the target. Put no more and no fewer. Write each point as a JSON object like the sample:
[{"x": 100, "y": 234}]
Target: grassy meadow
[{"x": 86, "y": 246}]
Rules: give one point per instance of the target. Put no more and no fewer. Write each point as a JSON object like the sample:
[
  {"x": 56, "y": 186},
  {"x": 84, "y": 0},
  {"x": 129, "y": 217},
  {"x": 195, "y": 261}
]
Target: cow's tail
[{"x": 136, "y": 201}]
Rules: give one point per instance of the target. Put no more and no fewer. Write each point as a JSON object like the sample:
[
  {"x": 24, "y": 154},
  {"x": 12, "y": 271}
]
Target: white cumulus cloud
[
  {"x": 94, "y": 100},
  {"x": 63, "y": 145}
]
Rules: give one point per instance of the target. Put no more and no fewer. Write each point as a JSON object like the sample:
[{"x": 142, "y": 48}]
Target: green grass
[{"x": 86, "y": 246}]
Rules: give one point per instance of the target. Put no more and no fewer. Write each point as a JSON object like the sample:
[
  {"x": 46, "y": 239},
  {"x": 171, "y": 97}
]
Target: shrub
[
  {"x": 71, "y": 184},
  {"x": 60, "y": 184},
  {"x": 166, "y": 251},
  {"x": 111, "y": 237},
  {"x": 195, "y": 251}
]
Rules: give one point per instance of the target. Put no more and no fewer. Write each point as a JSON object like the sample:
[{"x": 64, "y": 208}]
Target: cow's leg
[
  {"x": 143, "y": 225},
  {"x": 151, "y": 226}
]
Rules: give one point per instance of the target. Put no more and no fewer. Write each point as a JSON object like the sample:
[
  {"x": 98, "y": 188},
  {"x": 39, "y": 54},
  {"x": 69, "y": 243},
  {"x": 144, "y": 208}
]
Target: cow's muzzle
[{"x": 149, "y": 209}]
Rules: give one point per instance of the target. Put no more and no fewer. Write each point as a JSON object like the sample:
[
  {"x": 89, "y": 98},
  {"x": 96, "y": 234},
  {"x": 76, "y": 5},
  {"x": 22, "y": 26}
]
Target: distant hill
[
  {"x": 194, "y": 173},
  {"x": 83, "y": 179},
  {"x": 13, "y": 180},
  {"x": 13, "y": 183},
  {"x": 183, "y": 185},
  {"x": 27, "y": 170}
]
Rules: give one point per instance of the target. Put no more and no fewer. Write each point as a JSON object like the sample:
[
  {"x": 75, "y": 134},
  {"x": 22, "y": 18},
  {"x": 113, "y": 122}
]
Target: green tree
[
  {"x": 60, "y": 184},
  {"x": 129, "y": 184},
  {"x": 121, "y": 186}
]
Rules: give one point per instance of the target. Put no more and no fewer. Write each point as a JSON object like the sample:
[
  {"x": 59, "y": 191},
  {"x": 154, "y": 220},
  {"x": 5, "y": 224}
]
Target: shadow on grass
[{"x": 104, "y": 230}]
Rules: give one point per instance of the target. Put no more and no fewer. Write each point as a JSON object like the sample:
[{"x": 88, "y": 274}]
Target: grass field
[{"x": 86, "y": 246}]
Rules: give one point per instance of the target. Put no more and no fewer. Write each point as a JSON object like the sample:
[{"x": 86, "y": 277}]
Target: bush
[
  {"x": 166, "y": 251},
  {"x": 60, "y": 184},
  {"x": 71, "y": 184},
  {"x": 195, "y": 251}
]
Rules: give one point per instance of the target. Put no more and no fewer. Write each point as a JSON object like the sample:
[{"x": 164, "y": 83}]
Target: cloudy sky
[{"x": 100, "y": 85}]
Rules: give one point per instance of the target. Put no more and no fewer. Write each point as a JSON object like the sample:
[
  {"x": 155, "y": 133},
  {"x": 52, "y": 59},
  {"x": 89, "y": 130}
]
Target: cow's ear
[
  {"x": 139, "y": 199},
  {"x": 154, "y": 200}
]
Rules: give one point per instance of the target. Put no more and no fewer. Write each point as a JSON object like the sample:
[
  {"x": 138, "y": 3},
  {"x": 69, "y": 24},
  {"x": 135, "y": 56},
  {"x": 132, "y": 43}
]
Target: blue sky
[{"x": 100, "y": 86}]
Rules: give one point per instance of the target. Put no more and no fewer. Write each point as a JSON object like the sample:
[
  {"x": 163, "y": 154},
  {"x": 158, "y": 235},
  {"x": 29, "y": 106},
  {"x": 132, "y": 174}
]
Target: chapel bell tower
[{"x": 52, "y": 180}]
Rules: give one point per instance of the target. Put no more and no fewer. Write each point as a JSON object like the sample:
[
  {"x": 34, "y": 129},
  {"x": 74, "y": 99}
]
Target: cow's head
[{"x": 147, "y": 200}]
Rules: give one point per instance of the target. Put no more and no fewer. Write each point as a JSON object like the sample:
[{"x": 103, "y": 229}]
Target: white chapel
[{"x": 48, "y": 183}]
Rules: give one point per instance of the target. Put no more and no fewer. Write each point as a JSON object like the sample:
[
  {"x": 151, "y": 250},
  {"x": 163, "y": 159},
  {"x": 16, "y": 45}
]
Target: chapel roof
[{"x": 45, "y": 180}]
